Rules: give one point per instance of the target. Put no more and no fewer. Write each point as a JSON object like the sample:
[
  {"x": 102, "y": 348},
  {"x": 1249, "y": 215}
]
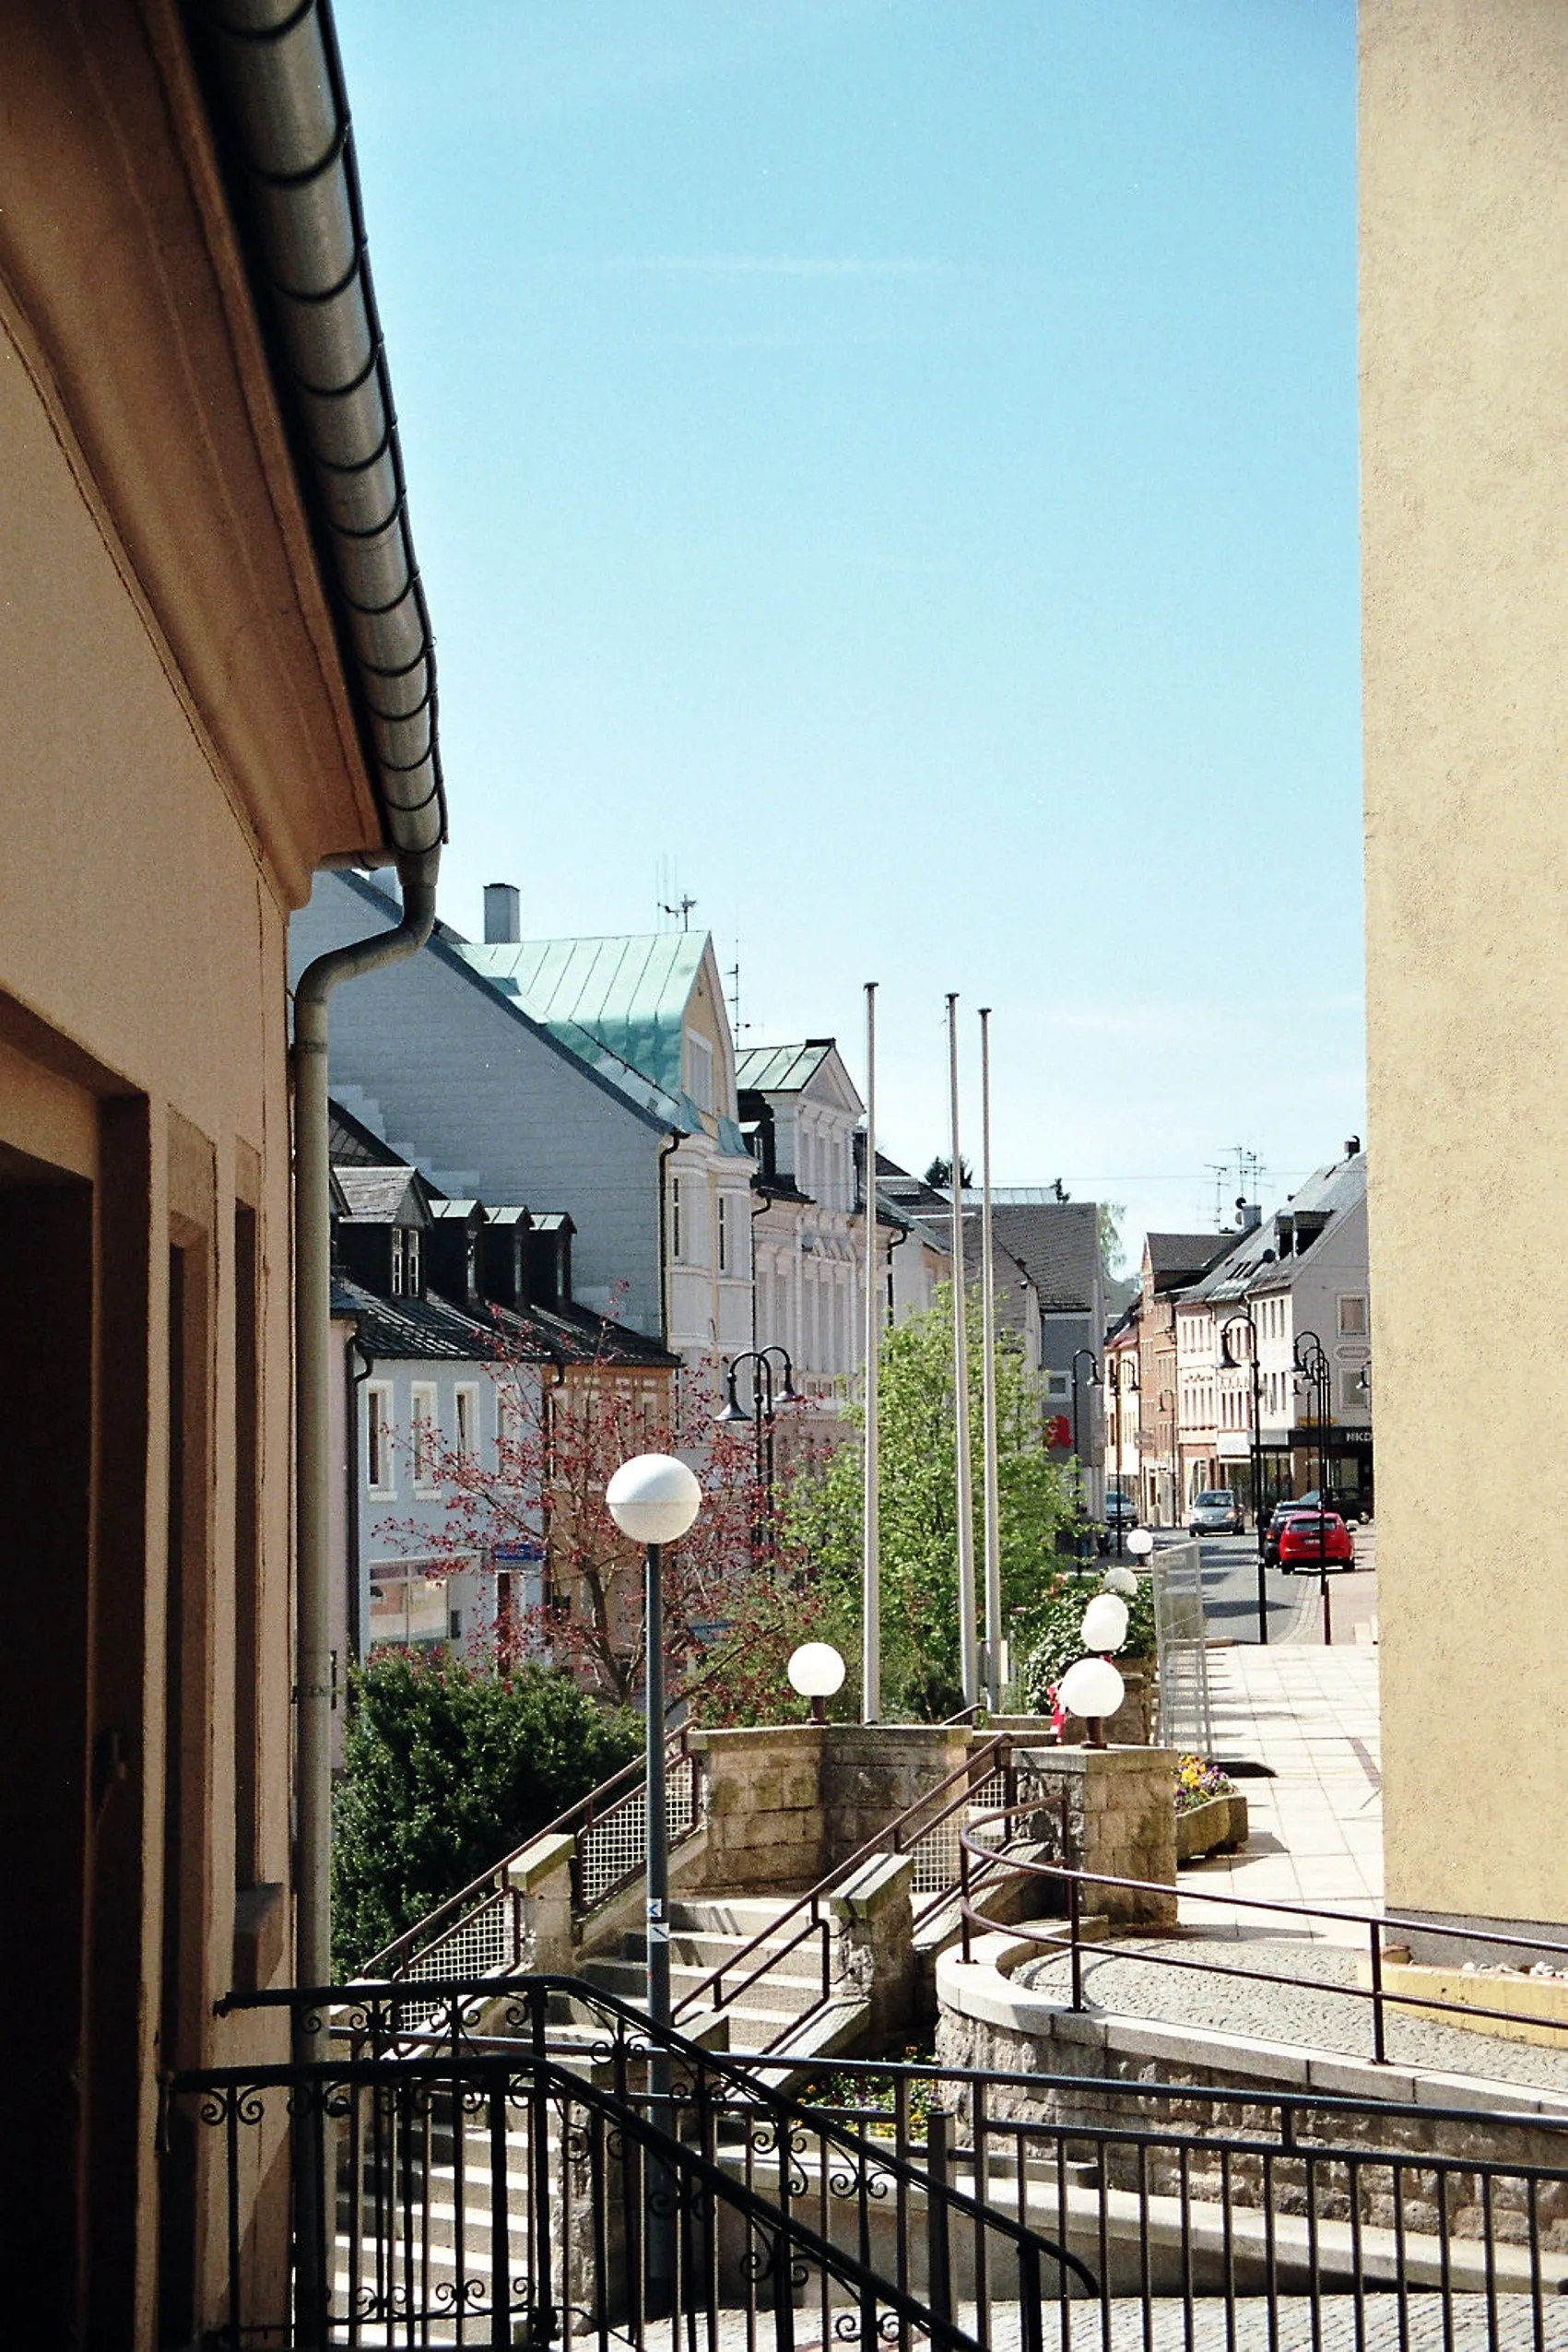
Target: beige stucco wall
[{"x": 1464, "y": 256}]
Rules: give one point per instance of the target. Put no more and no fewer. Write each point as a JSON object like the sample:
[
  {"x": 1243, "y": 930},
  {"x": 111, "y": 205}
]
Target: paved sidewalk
[{"x": 1316, "y": 1827}]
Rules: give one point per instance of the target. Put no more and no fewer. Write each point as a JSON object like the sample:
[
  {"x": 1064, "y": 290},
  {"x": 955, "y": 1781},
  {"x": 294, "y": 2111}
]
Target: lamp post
[
  {"x": 654, "y": 1499},
  {"x": 1314, "y": 1371},
  {"x": 762, "y": 1417},
  {"x": 1125, "y": 1378},
  {"x": 1077, "y": 1449},
  {"x": 1243, "y": 1319}
]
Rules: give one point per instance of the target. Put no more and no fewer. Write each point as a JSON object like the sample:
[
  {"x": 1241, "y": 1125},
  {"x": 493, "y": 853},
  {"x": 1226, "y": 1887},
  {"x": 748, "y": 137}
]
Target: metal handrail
[
  {"x": 577, "y": 1819},
  {"x": 764, "y": 1945},
  {"x": 1076, "y": 1879}
]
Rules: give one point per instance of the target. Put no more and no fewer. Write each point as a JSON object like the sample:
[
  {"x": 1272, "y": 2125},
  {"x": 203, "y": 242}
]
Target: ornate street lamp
[
  {"x": 1078, "y": 1446},
  {"x": 1244, "y": 1320},
  {"x": 762, "y": 1418}
]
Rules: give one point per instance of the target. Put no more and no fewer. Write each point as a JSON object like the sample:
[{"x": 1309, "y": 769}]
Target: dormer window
[
  {"x": 412, "y": 1269},
  {"x": 396, "y": 1261}
]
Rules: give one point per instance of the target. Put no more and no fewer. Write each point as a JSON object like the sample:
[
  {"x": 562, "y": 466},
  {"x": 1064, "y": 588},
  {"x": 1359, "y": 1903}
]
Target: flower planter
[{"x": 1221, "y": 1821}]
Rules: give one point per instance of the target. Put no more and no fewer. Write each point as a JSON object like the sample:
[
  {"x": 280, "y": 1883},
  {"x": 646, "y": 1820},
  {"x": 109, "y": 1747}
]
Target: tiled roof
[
  {"x": 1058, "y": 1243},
  {"x": 780, "y": 1069},
  {"x": 625, "y": 995}
]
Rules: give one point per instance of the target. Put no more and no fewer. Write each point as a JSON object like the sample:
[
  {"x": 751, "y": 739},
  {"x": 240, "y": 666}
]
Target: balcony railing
[{"x": 541, "y": 2168}]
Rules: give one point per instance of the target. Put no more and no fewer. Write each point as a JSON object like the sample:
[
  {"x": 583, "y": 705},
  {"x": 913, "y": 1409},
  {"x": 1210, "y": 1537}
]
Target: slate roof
[
  {"x": 780, "y": 1069},
  {"x": 1058, "y": 1244},
  {"x": 625, "y": 995},
  {"x": 1182, "y": 1257},
  {"x": 377, "y": 1195},
  {"x": 432, "y": 1328}
]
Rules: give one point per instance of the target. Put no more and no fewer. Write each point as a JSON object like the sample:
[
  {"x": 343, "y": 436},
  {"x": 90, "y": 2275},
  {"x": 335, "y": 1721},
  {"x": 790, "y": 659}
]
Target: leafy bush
[
  {"x": 445, "y": 1771},
  {"x": 1049, "y": 1640}
]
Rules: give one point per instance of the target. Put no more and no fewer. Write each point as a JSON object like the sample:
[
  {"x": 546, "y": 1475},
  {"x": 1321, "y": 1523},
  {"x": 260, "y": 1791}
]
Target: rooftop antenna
[
  {"x": 683, "y": 906},
  {"x": 733, "y": 976}
]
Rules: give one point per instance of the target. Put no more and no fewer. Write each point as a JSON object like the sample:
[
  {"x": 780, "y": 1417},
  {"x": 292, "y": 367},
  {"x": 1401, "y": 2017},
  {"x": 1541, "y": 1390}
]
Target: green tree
[
  {"x": 917, "y": 1485},
  {"x": 446, "y": 1770}
]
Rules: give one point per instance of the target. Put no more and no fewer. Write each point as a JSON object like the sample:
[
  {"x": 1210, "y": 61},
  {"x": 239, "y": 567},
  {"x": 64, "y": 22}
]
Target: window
[
  {"x": 411, "y": 1264},
  {"x": 509, "y": 1431},
  {"x": 407, "y": 1605},
  {"x": 466, "y": 1407},
  {"x": 1355, "y": 1392},
  {"x": 379, "y": 1475},
  {"x": 700, "y": 1069},
  {"x": 727, "y": 1211},
  {"x": 1352, "y": 1319},
  {"x": 423, "y": 1433},
  {"x": 397, "y": 1262},
  {"x": 1058, "y": 1385}
]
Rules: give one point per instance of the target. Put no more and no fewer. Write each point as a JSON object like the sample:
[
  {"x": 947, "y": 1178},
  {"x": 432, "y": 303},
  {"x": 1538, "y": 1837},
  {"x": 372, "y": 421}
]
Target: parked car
[
  {"x": 1317, "y": 1540},
  {"x": 1280, "y": 1513},
  {"x": 1215, "y": 1512},
  {"x": 1120, "y": 1509},
  {"x": 1348, "y": 1501}
]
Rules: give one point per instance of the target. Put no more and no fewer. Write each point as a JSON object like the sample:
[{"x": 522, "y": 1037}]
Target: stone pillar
[
  {"x": 1122, "y": 1820},
  {"x": 873, "y": 1943},
  {"x": 540, "y": 1881},
  {"x": 764, "y": 1807},
  {"x": 872, "y": 1772}
]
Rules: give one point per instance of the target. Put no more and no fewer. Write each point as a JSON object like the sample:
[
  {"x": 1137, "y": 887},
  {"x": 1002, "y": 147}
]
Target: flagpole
[
  {"x": 872, "y": 1576},
  {"x": 968, "y": 1630},
  {"x": 988, "y": 1309}
]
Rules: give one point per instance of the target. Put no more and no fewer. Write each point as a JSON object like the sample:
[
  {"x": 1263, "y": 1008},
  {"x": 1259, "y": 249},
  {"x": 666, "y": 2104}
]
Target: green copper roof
[{"x": 627, "y": 994}]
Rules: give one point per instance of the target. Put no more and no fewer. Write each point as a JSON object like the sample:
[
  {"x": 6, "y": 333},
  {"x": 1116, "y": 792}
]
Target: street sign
[{"x": 526, "y": 1554}]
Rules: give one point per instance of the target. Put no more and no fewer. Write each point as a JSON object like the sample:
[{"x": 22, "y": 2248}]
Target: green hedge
[{"x": 445, "y": 1771}]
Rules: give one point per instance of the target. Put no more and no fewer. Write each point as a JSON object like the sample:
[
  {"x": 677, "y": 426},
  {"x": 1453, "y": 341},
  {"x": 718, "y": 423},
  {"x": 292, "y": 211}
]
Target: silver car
[{"x": 1216, "y": 1512}]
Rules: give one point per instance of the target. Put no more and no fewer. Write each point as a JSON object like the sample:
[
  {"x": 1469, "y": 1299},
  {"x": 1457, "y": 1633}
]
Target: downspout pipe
[{"x": 313, "y": 1374}]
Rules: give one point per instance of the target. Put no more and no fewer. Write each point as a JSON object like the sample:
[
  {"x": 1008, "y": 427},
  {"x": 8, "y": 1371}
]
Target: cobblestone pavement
[{"x": 1318, "y": 2020}]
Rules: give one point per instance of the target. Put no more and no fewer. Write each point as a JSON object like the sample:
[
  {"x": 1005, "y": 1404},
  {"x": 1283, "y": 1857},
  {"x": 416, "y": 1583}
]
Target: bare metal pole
[
  {"x": 992, "y": 1539},
  {"x": 968, "y": 1628},
  {"x": 872, "y": 1576}
]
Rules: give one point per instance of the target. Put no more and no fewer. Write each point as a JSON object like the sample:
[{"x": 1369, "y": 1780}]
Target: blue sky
[{"x": 891, "y": 469}]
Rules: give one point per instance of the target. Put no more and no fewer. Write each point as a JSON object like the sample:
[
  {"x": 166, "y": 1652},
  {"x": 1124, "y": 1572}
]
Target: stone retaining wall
[{"x": 789, "y": 1802}]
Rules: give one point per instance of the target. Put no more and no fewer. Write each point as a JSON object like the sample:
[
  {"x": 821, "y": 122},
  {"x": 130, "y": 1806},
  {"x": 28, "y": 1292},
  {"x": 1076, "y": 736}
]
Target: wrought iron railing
[
  {"x": 509, "y": 2184},
  {"x": 506, "y": 2185},
  {"x": 479, "y": 1931}
]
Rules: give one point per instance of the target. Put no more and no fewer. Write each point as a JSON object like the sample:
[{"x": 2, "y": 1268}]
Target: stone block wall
[{"x": 788, "y": 1802}]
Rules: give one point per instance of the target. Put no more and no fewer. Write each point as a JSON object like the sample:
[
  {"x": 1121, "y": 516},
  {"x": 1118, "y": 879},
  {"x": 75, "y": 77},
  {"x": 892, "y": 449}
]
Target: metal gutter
[{"x": 274, "y": 82}]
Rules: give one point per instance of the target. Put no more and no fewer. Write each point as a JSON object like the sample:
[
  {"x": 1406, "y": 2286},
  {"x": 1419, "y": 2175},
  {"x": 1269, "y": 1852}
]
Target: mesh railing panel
[
  {"x": 475, "y": 1946},
  {"x": 616, "y": 1846}
]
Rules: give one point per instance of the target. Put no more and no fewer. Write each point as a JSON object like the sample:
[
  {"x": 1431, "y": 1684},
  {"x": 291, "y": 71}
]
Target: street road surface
[{"x": 1229, "y": 1591}]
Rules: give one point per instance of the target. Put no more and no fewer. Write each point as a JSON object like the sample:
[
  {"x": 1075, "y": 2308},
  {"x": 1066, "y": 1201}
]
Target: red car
[{"x": 1316, "y": 1539}]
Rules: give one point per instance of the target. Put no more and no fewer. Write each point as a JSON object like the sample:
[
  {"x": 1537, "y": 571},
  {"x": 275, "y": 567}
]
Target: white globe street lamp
[
  {"x": 1093, "y": 1690},
  {"x": 654, "y": 1499},
  {"x": 816, "y": 1671},
  {"x": 1140, "y": 1543},
  {"x": 1105, "y": 1622},
  {"x": 1122, "y": 1581}
]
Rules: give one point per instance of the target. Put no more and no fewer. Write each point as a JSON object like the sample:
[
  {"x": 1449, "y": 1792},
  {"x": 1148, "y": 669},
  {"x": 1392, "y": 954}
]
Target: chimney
[
  {"x": 1352, "y": 1146},
  {"x": 1251, "y": 1217},
  {"x": 503, "y": 916}
]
